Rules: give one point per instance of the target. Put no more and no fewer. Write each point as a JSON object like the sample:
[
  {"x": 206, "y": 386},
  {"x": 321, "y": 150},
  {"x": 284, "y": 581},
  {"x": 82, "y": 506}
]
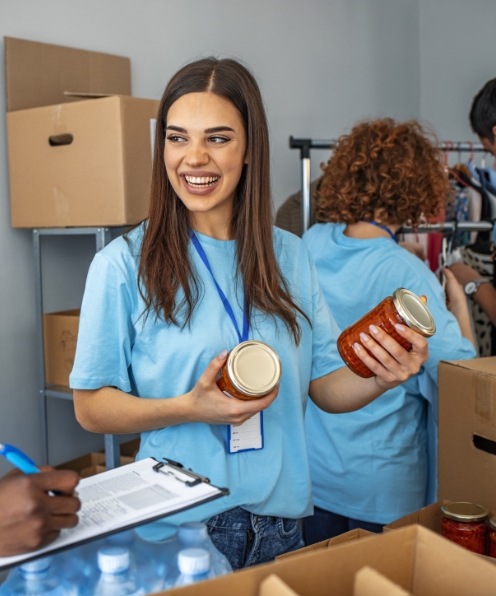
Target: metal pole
[
  {"x": 112, "y": 442},
  {"x": 305, "y": 193},
  {"x": 38, "y": 291}
]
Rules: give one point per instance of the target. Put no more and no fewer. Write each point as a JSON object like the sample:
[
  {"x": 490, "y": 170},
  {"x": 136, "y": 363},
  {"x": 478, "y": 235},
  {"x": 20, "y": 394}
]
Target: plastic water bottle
[
  {"x": 195, "y": 534},
  {"x": 151, "y": 563},
  {"x": 35, "y": 578},
  {"x": 194, "y": 566},
  {"x": 116, "y": 579}
]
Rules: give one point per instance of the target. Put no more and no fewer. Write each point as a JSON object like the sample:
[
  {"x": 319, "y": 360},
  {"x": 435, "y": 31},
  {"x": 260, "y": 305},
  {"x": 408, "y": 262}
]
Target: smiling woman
[{"x": 204, "y": 273}]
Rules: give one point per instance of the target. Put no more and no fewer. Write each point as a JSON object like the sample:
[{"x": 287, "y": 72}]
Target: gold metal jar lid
[
  {"x": 254, "y": 368},
  {"x": 492, "y": 522},
  {"x": 464, "y": 512},
  {"x": 414, "y": 312}
]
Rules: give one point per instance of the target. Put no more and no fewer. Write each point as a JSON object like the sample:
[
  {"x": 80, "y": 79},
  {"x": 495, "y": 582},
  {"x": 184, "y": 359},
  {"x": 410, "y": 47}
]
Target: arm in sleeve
[
  {"x": 105, "y": 337},
  {"x": 447, "y": 343},
  {"x": 325, "y": 331}
]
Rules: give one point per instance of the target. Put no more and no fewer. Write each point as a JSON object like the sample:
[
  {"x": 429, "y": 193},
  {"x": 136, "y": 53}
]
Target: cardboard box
[
  {"x": 467, "y": 431},
  {"x": 368, "y": 582},
  {"x": 274, "y": 586},
  {"x": 131, "y": 448},
  {"x": 414, "y": 558},
  {"x": 428, "y": 517},
  {"x": 60, "y": 330},
  {"x": 39, "y": 74},
  {"x": 91, "y": 464},
  {"x": 341, "y": 539},
  {"x": 89, "y": 160}
]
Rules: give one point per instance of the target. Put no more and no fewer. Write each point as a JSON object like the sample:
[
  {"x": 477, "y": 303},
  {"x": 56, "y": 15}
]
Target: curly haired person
[{"x": 372, "y": 466}]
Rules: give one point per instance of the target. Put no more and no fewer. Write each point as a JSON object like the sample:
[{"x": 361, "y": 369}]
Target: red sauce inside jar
[
  {"x": 470, "y": 535},
  {"x": 385, "y": 316},
  {"x": 492, "y": 537}
]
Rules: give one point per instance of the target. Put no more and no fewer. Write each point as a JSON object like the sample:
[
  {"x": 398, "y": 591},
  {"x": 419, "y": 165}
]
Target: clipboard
[{"x": 125, "y": 498}]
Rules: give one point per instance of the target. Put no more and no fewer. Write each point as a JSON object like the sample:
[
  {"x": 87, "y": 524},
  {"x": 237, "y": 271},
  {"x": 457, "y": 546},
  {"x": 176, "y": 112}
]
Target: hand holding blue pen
[{"x": 29, "y": 516}]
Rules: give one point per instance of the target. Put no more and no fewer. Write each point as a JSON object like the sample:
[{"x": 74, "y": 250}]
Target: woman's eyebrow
[
  {"x": 219, "y": 129},
  {"x": 176, "y": 128}
]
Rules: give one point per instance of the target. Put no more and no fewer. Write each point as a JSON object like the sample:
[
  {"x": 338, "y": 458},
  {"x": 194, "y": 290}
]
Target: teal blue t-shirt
[
  {"x": 373, "y": 464},
  {"x": 149, "y": 358}
]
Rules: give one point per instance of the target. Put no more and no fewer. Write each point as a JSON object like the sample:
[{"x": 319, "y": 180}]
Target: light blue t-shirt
[
  {"x": 118, "y": 347},
  {"x": 372, "y": 464}
]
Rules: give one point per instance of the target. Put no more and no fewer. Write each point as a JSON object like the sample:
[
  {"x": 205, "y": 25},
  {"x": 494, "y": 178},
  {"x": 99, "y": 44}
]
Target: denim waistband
[{"x": 240, "y": 519}]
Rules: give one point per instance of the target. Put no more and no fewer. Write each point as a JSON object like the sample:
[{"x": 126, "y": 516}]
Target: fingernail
[
  {"x": 364, "y": 337},
  {"x": 373, "y": 329},
  {"x": 357, "y": 347},
  {"x": 400, "y": 327},
  {"x": 222, "y": 355}
]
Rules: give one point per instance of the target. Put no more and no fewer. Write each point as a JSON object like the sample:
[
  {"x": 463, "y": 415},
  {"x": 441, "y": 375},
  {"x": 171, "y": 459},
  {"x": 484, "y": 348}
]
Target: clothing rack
[{"x": 306, "y": 145}]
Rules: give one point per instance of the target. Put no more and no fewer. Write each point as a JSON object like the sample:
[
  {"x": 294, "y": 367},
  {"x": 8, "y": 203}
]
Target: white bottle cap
[
  {"x": 36, "y": 566},
  {"x": 113, "y": 559},
  {"x": 193, "y": 561},
  {"x": 191, "y": 533}
]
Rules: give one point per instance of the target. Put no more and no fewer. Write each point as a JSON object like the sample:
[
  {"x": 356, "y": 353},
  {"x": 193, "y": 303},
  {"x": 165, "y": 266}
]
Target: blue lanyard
[
  {"x": 225, "y": 301},
  {"x": 385, "y": 228}
]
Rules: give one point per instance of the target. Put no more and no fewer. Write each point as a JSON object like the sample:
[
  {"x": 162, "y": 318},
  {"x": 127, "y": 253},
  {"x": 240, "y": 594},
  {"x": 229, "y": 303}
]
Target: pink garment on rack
[{"x": 434, "y": 245}]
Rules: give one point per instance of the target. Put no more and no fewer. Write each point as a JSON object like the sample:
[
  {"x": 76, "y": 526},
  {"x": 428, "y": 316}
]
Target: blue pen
[
  {"x": 22, "y": 462},
  {"x": 18, "y": 459}
]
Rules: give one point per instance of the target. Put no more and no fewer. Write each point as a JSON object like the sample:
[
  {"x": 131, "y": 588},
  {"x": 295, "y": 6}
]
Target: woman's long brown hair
[{"x": 165, "y": 267}]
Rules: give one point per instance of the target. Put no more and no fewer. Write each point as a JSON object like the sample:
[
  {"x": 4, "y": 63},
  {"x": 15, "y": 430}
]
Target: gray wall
[
  {"x": 321, "y": 64},
  {"x": 457, "y": 56}
]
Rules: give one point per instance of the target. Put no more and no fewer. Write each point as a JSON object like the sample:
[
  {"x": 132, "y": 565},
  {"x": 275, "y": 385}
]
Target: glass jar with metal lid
[
  {"x": 465, "y": 524},
  {"x": 251, "y": 371},
  {"x": 402, "y": 307},
  {"x": 492, "y": 537}
]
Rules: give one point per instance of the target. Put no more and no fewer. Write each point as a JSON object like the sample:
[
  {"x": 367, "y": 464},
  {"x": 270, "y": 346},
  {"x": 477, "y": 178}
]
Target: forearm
[
  {"x": 111, "y": 411},
  {"x": 463, "y": 318},
  {"x": 342, "y": 391},
  {"x": 485, "y": 296}
]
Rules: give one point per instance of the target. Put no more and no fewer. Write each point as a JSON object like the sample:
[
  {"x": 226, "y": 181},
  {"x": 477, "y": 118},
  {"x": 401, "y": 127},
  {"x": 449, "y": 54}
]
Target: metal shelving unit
[{"x": 103, "y": 235}]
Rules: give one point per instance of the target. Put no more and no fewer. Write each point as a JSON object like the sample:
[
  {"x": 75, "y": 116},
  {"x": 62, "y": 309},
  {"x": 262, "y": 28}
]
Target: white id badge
[{"x": 247, "y": 436}]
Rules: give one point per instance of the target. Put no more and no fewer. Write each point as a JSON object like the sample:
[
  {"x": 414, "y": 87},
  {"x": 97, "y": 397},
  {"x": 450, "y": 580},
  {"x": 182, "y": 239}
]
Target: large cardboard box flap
[
  {"x": 467, "y": 431},
  {"x": 39, "y": 74},
  {"x": 414, "y": 558},
  {"x": 368, "y": 582}
]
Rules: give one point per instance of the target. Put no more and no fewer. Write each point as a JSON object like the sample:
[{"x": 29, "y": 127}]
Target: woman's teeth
[{"x": 201, "y": 182}]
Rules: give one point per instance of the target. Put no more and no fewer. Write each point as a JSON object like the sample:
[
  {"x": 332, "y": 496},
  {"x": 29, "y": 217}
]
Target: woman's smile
[{"x": 199, "y": 183}]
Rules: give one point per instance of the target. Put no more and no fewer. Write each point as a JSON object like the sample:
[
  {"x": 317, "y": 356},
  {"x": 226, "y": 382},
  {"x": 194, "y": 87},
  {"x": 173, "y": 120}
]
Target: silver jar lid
[
  {"x": 254, "y": 368},
  {"x": 464, "y": 512},
  {"x": 414, "y": 312}
]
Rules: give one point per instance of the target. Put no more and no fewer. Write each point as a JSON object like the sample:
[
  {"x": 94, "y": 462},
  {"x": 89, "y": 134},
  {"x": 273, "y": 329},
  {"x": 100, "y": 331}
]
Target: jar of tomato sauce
[
  {"x": 252, "y": 370},
  {"x": 492, "y": 537},
  {"x": 403, "y": 307},
  {"x": 465, "y": 524}
]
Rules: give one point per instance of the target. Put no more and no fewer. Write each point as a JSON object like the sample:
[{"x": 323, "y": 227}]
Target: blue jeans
[
  {"x": 323, "y": 525},
  {"x": 247, "y": 539}
]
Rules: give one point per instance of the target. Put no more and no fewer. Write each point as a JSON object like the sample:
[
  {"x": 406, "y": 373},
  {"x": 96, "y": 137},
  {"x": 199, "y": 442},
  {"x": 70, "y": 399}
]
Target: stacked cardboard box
[{"x": 79, "y": 145}]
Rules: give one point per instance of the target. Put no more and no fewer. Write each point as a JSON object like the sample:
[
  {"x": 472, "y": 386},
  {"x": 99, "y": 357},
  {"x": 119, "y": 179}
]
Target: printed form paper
[{"x": 123, "y": 497}]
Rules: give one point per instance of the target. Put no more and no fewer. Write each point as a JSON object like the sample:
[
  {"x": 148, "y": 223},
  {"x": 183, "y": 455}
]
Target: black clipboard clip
[{"x": 175, "y": 467}]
